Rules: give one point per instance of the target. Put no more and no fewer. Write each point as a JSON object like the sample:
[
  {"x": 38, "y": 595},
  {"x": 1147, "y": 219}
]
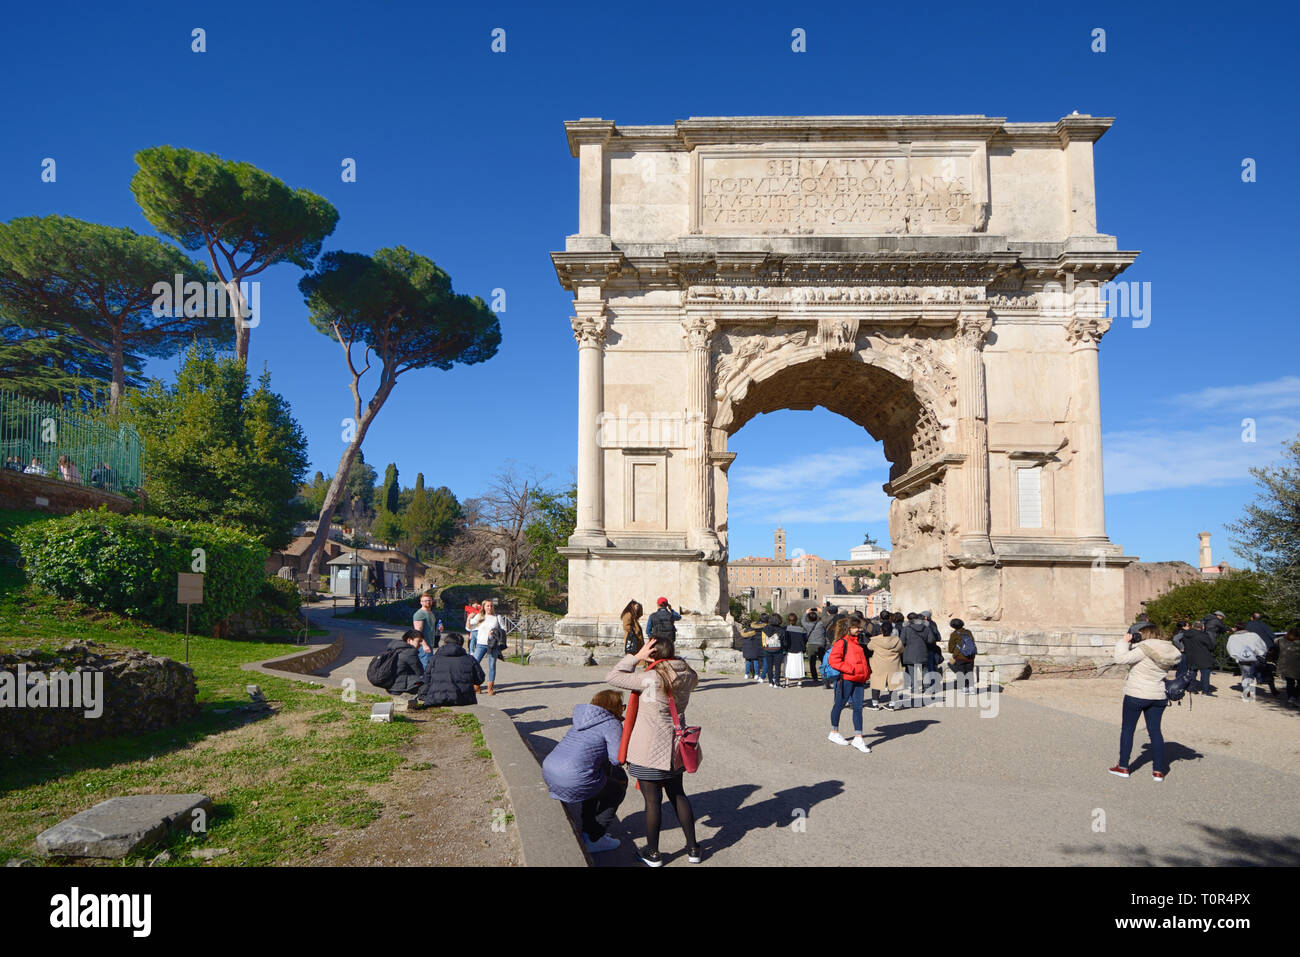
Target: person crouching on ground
[
  {"x": 651, "y": 757},
  {"x": 583, "y": 768},
  {"x": 452, "y": 677},
  {"x": 1144, "y": 694},
  {"x": 850, "y": 660}
]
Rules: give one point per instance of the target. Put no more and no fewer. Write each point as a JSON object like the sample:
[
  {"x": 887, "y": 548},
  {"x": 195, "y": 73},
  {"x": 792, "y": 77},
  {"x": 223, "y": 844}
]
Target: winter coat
[
  {"x": 663, "y": 619},
  {"x": 1214, "y": 627},
  {"x": 817, "y": 636},
  {"x": 886, "y": 662},
  {"x": 651, "y": 742},
  {"x": 1246, "y": 646},
  {"x": 452, "y": 675},
  {"x": 1151, "y": 660},
  {"x": 1288, "y": 658},
  {"x": 848, "y": 658},
  {"x": 932, "y": 633},
  {"x": 1198, "y": 646},
  {"x": 914, "y": 637},
  {"x": 1262, "y": 629},
  {"x": 633, "y": 637},
  {"x": 579, "y": 765},
  {"x": 954, "y": 645},
  {"x": 410, "y": 673},
  {"x": 796, "y": 639},
  {"x": 779, "y": 632},
  {"x": 751, "y": 643}
]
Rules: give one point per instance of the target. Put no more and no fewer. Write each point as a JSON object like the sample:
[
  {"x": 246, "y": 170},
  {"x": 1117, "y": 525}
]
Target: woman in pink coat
[{"x": 651, "y": 758}]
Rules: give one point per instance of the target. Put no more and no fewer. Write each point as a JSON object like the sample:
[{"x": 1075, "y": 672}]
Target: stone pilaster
[
  {"x": 972, "y": 424},
  {"x": 589, "y": 330},
  {"x": 1084, "y": 333},
  {"x": 698, "y": 331}
]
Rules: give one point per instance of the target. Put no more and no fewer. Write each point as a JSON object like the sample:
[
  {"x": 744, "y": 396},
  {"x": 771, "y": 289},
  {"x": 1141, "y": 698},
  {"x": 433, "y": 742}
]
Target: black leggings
[{"x": 654, "y": 792}]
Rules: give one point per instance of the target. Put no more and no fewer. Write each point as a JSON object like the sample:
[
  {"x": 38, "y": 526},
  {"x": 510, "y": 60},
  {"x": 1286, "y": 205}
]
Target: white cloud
[
  {"x": 815, "y": 470},
  {"x": 1145, "y": 460},
  {"x": 1249, "y": 397}
]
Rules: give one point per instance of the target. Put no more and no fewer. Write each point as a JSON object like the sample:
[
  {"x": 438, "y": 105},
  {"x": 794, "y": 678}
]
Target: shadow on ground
[{"x": 1221, "y": 847}]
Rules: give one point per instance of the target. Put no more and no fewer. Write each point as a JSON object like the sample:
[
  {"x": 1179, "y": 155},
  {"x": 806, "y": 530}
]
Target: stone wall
[
  {"x": 1145, "y": 581},
  {"x": 18, "y": 490},
  {"x": 138, "y": 692},
  {"x": 304, "y": 663}
]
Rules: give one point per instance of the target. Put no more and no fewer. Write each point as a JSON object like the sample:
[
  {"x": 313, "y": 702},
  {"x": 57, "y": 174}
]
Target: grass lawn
[{"x": 281, "y": 782}]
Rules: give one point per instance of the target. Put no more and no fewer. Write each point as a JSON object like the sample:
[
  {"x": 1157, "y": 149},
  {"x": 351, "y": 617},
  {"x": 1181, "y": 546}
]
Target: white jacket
[{"x": 1151, "y": 660}]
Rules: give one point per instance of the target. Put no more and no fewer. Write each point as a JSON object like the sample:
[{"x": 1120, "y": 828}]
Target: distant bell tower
[{"x": 778, "y": 544}]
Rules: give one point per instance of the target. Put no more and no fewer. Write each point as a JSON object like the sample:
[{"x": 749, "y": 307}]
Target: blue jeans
[
  {"x": 754, "y": 667},
  {"x": 1248, "y": 670},
  {"x": 1153, "y": 710},
  {"x": 773, "y": 667},
  {"x": 848, "y": 693},
  {"x": 479, "y": 652},
  {"x": 1204, "y": 686}
]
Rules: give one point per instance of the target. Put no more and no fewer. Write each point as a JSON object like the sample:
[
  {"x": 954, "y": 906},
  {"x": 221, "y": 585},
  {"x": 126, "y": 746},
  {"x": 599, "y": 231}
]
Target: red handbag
[{"x": 686, "y": 740}]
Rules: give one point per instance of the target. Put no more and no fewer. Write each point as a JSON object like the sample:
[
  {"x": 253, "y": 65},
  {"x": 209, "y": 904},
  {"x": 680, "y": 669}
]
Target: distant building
[{"x": 803, "y": 578}]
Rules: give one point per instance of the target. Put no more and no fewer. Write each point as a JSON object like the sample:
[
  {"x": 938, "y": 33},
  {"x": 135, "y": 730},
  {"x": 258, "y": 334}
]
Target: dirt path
[{"x": 446, "y": 806}]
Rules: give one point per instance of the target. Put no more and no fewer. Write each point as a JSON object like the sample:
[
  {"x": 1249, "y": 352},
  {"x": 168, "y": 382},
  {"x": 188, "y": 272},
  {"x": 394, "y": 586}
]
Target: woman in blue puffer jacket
[{"x": 583, "y": 768}]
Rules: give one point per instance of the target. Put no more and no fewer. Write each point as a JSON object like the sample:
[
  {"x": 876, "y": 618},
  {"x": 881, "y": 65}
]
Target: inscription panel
[{"x": 867, "y": 190}]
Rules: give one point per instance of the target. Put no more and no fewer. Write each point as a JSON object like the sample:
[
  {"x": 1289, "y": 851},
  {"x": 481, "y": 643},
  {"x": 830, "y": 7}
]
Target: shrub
[
  {"x": 128, "y": 564},
  {"x": 280, "y": 594}
]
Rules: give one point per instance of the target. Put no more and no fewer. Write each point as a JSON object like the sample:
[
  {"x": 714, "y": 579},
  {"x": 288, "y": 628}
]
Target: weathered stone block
[{"x": 118, "y": 826}]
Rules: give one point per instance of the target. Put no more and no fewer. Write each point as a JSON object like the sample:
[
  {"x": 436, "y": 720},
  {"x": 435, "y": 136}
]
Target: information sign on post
[{"x": 189, "y": 591}]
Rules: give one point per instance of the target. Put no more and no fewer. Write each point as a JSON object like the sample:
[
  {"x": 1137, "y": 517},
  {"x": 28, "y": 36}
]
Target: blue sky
[{"x": 461, "y": 156}]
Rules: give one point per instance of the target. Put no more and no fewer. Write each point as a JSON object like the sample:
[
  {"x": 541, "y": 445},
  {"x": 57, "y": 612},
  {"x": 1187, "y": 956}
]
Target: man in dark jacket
[
  {"x": 660, "y": 624},
  {"x": 915, "y": 655},
  {"x": 452, "y": 676},
  {"x": 1198, "y": 652},
  {"x": 934, "y": 654},
  {"x": 410, "y": 673},
  {"x": 1214, "y": 626}
]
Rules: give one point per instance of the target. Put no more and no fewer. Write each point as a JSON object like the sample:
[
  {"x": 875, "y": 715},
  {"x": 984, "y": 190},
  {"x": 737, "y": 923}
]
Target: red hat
[{"x": 663, "y": 601}]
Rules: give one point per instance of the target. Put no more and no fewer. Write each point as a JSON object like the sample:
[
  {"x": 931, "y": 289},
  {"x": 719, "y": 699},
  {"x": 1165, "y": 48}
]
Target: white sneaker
[
  {"x": 837, "y": 738},
  {"x": 861, "y": 745}
]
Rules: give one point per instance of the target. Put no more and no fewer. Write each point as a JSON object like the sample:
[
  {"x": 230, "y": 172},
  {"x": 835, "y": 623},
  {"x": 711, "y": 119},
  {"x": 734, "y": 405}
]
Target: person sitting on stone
[
  {"x": 452, "y": 677},
  {"x": 35, "y": 468}
]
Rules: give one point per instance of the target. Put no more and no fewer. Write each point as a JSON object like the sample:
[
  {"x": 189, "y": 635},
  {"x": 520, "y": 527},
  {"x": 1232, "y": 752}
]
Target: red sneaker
[
  {"x": 1119, "y": 772},
  {"x": 1157, "y": 776}
]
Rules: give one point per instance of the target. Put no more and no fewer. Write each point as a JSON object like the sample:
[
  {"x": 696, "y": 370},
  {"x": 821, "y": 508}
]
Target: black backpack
[
  {"x": 382, "y": 670},
  {"x": 661, "y": 626}
]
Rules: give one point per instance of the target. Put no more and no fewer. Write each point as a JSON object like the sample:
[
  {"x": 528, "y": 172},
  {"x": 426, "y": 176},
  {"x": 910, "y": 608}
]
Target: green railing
[{"x": 40, "y": 438}]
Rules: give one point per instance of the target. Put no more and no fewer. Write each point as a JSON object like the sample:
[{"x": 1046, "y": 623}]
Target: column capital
[
  {"x": 590, "y": 321},
  {"x": 697, "y": 330},
  {"x": 973, "y": 330},
  {"x": 1085, "y": 331}
]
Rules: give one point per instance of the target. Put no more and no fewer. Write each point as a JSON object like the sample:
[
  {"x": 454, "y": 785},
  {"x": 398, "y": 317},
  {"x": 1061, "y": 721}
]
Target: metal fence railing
[{"x": 40, "y": 438}]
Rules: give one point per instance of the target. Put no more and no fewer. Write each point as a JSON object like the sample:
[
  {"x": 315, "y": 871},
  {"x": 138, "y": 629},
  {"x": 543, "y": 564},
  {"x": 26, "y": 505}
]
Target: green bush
[
  {"x": 128, "y": 564},
  {"x": 280, "y": 594}
]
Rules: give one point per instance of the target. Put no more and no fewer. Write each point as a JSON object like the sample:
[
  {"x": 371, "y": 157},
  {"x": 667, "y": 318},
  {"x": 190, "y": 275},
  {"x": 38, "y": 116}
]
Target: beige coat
[
  {"x": 886, "y": 662},
  {"x": 651, "y": 743},
  {"x": 1151, "y": 660}
]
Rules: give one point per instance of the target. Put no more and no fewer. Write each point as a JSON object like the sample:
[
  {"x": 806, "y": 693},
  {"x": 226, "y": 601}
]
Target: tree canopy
[
  {"x": 97, "y": 283},
  {"x": 58, "y": 367},
  {"x": 244, "y": 217},
  {"x": 1268, "y": 534},
  {"x": 219, "y": 451}
]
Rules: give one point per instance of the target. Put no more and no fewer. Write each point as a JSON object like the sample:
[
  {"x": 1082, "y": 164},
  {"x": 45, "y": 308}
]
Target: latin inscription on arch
[{"x": 835, "y": 193}]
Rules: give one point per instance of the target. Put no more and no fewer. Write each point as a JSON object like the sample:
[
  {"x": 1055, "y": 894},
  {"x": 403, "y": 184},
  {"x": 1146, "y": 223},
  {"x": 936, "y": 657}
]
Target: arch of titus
[{"x": 932, "y": 278}]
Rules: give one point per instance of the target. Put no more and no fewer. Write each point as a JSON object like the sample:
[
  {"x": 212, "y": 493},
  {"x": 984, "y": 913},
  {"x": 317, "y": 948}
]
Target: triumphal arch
[{"x": 932, "y": 278}]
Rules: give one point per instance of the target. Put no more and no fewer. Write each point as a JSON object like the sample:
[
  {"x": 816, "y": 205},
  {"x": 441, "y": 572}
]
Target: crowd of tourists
[
  {"x": 887, "y": 661},
  {"x": 440, "y": 667}
]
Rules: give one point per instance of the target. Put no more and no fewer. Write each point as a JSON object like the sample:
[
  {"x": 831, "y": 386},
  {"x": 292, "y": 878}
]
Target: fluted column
[
  {"x": 589, "y": 331},
  {"x": 972, "y": 423},
  {"x": 698, "y": 332},
  {"x": 1084, "y": 333}
]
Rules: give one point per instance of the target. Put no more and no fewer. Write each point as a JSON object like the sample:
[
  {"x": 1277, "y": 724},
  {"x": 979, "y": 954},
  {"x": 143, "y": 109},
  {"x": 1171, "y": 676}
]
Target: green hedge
[
  {"x": 280, "y": 594},
  {"x": 128, "y": 564}
]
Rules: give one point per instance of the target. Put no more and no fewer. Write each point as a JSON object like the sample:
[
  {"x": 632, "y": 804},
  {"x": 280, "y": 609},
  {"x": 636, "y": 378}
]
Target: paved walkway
[{"x": 943, "y": 785}]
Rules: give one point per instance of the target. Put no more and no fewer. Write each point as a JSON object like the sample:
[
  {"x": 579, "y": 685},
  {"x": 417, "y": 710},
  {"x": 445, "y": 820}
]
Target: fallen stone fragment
[{"x": 120, "y": 825}]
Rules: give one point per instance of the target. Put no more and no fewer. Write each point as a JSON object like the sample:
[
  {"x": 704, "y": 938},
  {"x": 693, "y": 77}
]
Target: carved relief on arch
[{"x": 737, "y": 356}]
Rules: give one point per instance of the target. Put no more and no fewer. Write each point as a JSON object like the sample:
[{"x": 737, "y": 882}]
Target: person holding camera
[
  {"x": 651, "y": 756},
  {"x": 1151, "y": 658}
]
